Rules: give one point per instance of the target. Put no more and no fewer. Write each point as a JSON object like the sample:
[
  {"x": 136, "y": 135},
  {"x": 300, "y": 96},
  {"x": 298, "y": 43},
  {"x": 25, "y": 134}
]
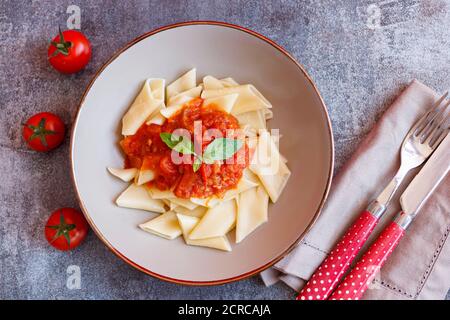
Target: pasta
[
  {"x": 185, "y": 82},
  {"x": 229, "y": 82},
  {"x": 144, "y": 176},
  {"x": 198, "y": 212},
  {"x": 137, "y": 197},
  {"x": 254, "y": 119},
  {"x": 143, "y": 106},
  {"x": 202, "y": 200},
  {"x": 252, "y": 211},
  {"x": 123, "y": 174},
  {"x": 165, "y": 225},
  {"x": 249, "y": 99},
  {"x": 269, "y": 167},
  {"x": 187, "y": 223},
  {"x": 185, "y": 96},
  {"x": 211, "y": 83},
  {"x": 224, "y": 103},
  {"x": 216, "y": 222}
]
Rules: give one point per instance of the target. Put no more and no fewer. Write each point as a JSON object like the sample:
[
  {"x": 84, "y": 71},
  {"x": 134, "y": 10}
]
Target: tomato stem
[
  {"x": 61, "y": 46},
  {"x": 40, "y": 132},
  {"x": 62, "y": 229}
]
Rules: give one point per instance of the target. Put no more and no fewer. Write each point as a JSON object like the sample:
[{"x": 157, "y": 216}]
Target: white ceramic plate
[{"x": 221, "y": 50}]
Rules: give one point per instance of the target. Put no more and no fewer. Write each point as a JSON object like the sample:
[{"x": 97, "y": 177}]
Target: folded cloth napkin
[{"x": 419, "y": 268}]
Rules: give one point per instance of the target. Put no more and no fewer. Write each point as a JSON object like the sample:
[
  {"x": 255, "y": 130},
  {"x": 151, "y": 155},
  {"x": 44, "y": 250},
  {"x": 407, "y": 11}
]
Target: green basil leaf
[
  {"x": 178, "y": 143},
  {"x": 221, "y": 149},
  {"x": 169, "y": 139},
  {"x": 185, "y": 146},
  {"x": 197, "y": 163}
]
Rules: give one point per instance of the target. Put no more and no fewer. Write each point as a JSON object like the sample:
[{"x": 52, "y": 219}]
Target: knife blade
[{"x": 425, "y": 182}]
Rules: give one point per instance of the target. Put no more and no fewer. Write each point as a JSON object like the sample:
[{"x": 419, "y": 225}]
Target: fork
[{"x": 421, "y": 140}]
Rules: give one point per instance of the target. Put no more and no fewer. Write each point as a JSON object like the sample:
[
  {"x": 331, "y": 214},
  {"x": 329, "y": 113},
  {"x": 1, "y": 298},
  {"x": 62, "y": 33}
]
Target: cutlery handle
[
  {"x": 356, "y": 282},
  {"x": 329, "y": 273}
]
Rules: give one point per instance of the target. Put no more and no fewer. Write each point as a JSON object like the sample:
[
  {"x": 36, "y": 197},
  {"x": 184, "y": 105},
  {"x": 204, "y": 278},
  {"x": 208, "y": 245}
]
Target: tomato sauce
[{"x": 146, "y": 150}]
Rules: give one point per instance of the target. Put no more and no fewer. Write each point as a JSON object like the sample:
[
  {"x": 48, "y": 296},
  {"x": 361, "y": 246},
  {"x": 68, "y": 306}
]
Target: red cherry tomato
[
  {"x": 66, "y": 228},
  {"x": 69, "y": 52},
  {"x": 167, "y": 166},
  {"x": 44, "y": 131}
]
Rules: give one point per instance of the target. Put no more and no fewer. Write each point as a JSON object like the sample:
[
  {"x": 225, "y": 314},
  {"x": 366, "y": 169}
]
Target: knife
[{"x": 413, "y": 198}]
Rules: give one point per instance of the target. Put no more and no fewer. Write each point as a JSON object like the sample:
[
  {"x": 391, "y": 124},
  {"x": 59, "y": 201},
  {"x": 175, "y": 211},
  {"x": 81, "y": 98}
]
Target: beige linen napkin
[{"x": 419, "y": 268}]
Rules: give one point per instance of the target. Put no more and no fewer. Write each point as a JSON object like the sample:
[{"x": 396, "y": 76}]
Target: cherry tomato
[
  {"x": 186, "y": 183},
  {"x": 69, "y": 52},
  {"x": 44, "y": 131},
  {"x": 66, "y": 228},
  {"x": 167, "y": 166}
]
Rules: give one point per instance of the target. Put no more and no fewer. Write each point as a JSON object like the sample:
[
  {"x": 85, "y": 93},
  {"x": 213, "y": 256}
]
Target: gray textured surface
[{"x": 358, "y": 61}]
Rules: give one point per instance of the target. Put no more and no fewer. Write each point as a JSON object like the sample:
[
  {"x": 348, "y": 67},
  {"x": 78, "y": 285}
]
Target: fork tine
[
  {"x": 439, "y": 140},
  {"x": 421, "y": 124},
  {"x": 435, "y": 123},
  {"x": 440, "y": 123},
  {"x": 440, "y": 128}
]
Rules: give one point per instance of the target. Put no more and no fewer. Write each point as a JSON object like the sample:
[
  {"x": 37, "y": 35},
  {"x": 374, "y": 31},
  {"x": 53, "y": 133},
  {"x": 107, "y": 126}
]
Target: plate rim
[{"x": 219, "y": 281}]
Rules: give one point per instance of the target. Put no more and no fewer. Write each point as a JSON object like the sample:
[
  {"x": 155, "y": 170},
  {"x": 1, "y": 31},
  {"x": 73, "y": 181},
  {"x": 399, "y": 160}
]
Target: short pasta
[{"x": 203, "y": 188}]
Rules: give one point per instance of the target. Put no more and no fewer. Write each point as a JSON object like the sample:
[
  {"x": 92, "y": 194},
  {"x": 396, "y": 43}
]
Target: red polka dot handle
[
  {"x": 357, "y": 281},
  {"x": 333, "y": 268}
]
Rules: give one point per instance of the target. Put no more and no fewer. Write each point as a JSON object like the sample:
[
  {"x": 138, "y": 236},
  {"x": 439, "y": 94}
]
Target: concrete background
[{"x": 360, "y": 54}]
